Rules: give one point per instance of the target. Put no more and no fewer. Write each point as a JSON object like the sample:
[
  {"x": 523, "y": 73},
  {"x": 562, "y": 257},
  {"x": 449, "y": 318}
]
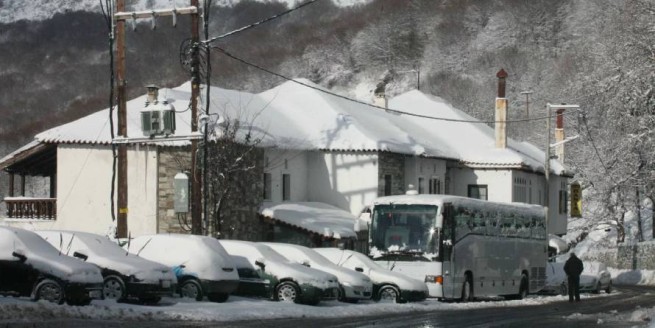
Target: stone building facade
[
  {"x": 172, "y": 160},
  {"x": 391, "y": 168}
]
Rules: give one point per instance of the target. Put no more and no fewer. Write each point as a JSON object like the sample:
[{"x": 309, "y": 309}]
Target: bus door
[{"x": 446, "y": 251}]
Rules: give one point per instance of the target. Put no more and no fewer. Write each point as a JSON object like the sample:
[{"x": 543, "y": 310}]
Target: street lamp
[{"x": 548, "y": 156}]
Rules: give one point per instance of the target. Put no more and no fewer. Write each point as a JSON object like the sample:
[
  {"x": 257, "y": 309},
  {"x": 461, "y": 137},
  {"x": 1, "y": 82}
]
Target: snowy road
[{"x": 628, "y": 306}]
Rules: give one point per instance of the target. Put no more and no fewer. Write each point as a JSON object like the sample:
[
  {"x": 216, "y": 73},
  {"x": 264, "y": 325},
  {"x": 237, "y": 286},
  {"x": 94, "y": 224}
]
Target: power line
[
  {"x": 225, "y": 52},
  {"x": 247, "y": 27}
]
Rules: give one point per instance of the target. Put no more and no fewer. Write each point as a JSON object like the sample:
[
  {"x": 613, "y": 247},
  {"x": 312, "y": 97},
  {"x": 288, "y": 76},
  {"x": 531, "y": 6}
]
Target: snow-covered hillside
[{"x": 15, "y": 10}]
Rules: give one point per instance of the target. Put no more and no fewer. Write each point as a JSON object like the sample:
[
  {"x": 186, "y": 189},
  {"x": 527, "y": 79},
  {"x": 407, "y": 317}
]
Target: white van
[{"x": 201, "y": 265}]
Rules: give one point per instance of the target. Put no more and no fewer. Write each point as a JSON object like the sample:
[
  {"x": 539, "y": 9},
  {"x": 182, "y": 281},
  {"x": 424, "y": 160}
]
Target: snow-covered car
[
  {"x": 288, "y": 281},
  {"x": 387, "y": 285},
  {"x": 251, "y": 283},
  {"x": 200, "y": 263},
  {"x": 594, "y": 278},
  {"x": 30, "y": 266},
  {"x": 125, "y": 275},
  {"x": 353, "y": 285}
]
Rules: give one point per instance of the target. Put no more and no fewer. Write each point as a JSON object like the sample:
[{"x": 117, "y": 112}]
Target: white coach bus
[{"x": 461, "y": 247}]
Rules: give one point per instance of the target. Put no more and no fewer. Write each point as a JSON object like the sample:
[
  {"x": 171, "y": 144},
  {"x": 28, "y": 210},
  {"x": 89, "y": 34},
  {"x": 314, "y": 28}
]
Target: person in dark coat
[{"x": 573, "y": 269}]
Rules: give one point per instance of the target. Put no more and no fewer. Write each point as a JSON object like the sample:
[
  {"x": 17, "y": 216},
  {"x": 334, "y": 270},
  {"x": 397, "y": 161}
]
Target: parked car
[
  {"x": 125, "y": 275},
  {"x": 30, "y": 266},
  {"x": 387, "y": 285},
  {"x": 251, "y": 283},
  {"x": 594, "y": 278},
  {"x": 201, "y": 265},
  {"x": 288, "y": 281},
  {"x": 353, "y": 285}
]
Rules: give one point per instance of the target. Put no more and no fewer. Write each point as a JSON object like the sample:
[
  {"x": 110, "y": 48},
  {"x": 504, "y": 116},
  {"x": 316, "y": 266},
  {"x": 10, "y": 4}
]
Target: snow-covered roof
[
  {"x": 295, "y": 116},
  {"x": 320, "y": 218}
]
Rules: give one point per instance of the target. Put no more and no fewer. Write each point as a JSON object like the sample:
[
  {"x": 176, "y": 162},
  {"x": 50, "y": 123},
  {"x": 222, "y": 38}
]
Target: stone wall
[
  {"x": 394, "y": 165},
  {"x": 172, "y": 161}
]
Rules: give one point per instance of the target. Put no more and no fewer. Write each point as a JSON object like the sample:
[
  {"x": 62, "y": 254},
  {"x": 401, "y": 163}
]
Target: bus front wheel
[{"x": 467, "y": 289}]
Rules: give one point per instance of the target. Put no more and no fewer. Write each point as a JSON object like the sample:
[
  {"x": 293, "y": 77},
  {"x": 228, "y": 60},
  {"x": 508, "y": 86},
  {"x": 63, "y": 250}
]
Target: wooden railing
[{"x": 31, "y": 208}]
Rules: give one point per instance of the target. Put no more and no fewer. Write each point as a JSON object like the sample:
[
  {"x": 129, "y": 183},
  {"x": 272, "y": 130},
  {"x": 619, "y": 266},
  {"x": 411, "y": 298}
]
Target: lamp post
[{"x": 548, "y": 156}]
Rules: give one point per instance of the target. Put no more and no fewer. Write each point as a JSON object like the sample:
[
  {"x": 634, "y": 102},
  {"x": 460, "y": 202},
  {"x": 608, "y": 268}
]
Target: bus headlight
[{"x": 434, "y": 279}]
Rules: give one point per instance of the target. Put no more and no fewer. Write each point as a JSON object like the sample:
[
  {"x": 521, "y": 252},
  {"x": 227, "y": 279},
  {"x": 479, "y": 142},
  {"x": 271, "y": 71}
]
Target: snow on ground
[{"x": 238, "y": 308}]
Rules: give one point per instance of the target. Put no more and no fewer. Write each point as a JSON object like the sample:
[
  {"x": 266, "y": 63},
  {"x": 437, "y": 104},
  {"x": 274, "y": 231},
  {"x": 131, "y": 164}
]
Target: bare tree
[{"x": 234, "y": 171}]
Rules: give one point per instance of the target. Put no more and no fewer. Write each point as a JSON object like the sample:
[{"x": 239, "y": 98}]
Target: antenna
[{"x": 144, "y": 246}]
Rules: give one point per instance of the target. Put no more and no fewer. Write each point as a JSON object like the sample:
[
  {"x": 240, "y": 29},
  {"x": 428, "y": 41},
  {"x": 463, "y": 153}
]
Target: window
[
  {"x": 478, "y": 192},
  {"x": 520, "y": 190},
  {"x": 434, "y": 186},
  {"x": 267, "y": 186},
  {"x": 286, "y": 187},
  {"x": 421, "y": 185},
  {"x": 387, "y": 185}
]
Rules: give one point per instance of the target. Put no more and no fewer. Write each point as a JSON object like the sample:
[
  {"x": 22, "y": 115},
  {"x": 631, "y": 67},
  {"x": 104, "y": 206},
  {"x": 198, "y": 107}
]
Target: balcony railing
[{"x": 31, "y": 208}]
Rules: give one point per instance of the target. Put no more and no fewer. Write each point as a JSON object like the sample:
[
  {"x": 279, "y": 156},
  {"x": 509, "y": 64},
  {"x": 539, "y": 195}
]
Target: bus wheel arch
[
  {"x": 467, "y": 287},
  {"x": 524, "y": 286}
]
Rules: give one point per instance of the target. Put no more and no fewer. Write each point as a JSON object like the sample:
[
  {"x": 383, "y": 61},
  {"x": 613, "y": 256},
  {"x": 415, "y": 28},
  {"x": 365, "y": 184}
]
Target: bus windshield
[{"x": 404, "y": 229}]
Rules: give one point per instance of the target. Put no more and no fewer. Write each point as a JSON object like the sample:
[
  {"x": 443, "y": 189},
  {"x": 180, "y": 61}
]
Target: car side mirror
[
  {"x": 260, "y": 264},
  {"x": 80, "y": 256},
  {"x": 358, "y": 269},
  {"x": 21, "y": 257},
  {"x": 306, "y": 263}
]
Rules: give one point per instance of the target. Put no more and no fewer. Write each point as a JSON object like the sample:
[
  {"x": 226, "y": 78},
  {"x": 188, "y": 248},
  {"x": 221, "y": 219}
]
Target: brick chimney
[
  {"x": 559, "y": 135},
  {"x": 501, "y": 111}
]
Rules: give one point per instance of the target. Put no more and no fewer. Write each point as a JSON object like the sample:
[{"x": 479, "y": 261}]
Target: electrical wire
[
  {"x": 243, "y": 61},
  {"x": 253, "y": 25}
]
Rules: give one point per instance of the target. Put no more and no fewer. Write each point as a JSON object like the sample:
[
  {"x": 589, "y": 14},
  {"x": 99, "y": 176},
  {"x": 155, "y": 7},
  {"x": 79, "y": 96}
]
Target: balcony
[{"x": 31, "y": 208}]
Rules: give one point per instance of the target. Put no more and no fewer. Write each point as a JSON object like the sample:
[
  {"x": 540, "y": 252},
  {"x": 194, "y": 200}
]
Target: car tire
[
  {"x": 49, "y": 290},
  {"x": 388, "y": 293},
  {"x": 609, "y": 288},
  {"x": 191, "y": 289},
  {"x": 563, "y": 289},
  {"x": 113, "y": 288},
  {"x": 218, "y": 297},
  {"x": 287, "y": 291}
]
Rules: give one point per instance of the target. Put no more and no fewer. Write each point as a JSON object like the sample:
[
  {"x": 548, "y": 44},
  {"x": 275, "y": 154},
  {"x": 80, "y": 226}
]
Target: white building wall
[
  {"x": 499, "y": 182},
  {"x": 426, "y": 168},
  {"x": 345, "y": 180},
  {"x": 84, "y": 190},
  {"x": 294, "y": 163}
]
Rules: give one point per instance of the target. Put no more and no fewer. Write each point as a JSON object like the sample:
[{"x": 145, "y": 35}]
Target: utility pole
[
  {"x": 196, "y": 193},
  {"x": 121, "y": 224},
  {"x": 122, "y": 186}
]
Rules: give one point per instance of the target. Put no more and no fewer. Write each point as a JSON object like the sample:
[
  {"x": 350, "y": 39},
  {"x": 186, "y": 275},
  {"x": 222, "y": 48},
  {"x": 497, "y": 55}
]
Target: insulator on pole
[
  {"x": 174, "y": 17},
  {"x": 133, "y": 21},
  {"x": 154, "y": 20}
]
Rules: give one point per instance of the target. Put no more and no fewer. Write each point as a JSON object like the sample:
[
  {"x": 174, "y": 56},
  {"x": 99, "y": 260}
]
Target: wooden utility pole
[
  {"x": 121, "y": 224},
  {"x": 120, "y": 17},
  {"x": 196, "y": 184}
]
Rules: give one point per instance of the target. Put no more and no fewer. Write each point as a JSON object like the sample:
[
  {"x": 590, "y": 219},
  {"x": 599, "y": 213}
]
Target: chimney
[
  {"x": 501, "y": 111},
  {"x": 559, "y": 135},
  {"x": 153, "y": 94},
  {"x": 379, "y": 96}
]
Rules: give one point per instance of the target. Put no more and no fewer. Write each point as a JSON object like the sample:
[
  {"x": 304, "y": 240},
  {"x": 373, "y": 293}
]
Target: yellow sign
[
  {"x": 122, "y": 211},
  {"x": 576, "y": 200}
]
